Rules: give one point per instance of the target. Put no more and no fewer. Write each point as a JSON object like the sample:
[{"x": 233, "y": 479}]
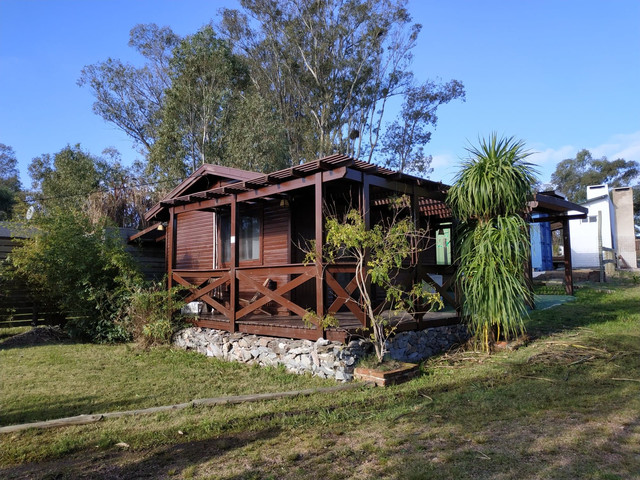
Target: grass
[
  {"x": 53, "y": 381},
  {"x": 563, "y": 406}
]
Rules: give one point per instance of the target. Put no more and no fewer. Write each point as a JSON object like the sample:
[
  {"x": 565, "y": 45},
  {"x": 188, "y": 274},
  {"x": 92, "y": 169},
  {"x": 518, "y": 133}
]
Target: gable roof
[
  {"x": 208, "y": 172},
  {"x": 255, "y": 185}
]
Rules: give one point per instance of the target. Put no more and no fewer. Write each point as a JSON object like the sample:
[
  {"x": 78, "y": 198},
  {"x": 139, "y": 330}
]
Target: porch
[{"x": 281, "y": 309}]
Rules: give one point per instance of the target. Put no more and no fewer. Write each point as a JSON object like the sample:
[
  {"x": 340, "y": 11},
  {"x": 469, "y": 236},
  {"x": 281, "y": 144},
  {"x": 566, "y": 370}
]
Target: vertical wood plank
[
  {"x": 365, "y": 210},
  {"x": 233, "y": 300},
  {"x": 319, "y": 242},
  {"x": 170, "y": 246}
]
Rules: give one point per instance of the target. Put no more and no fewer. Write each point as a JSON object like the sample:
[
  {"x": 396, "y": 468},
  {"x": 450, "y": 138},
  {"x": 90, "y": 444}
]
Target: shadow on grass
[
  {"x": 161, "y": 462},
  {"x": 52, "y": 408}
]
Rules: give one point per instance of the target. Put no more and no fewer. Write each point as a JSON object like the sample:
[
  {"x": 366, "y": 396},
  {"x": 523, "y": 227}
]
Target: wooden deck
[{"x": 294, "y": 327}]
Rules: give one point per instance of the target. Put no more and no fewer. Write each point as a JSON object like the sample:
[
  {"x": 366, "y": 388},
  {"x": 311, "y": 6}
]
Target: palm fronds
[{"x": 489, "y": 197}]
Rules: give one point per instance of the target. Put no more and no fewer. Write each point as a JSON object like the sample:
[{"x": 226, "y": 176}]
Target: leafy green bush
[
  {"x": 80, "y": 271},
  {"x": 381, "y": 253}
]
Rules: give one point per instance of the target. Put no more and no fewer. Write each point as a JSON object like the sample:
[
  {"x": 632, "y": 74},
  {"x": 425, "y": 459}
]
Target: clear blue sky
[{"x": 560, "y": 75}]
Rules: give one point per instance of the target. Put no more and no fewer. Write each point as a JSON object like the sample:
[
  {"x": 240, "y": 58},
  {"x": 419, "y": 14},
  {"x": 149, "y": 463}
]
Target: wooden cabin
[{"x": 236, "y": 240}]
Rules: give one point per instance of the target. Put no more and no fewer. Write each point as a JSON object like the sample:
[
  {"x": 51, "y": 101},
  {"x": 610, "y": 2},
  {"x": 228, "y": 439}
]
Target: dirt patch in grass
[{"x": 36, "y": 336}]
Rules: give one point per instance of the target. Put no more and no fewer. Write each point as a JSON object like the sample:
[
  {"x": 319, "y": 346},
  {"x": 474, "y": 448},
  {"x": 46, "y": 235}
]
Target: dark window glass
[{"x": 248, "y": 237}]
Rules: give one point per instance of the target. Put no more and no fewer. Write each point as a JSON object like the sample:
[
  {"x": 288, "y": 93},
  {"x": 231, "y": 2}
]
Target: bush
[
  {"x": 81, "y": 271},
  {"x": 489, "y": 197},
  {"x": 149, "y": 316}
]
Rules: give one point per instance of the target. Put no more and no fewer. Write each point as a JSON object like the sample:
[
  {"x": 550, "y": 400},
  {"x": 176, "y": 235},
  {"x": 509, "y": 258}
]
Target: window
[{"x": 248, "y": 237}]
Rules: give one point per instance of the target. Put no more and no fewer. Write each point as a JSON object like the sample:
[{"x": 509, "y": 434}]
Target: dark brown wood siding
[
  {"x": 276, "y": 249},
  {"x": 194, "y": 241},
  {"x": 277, "y": 246}
]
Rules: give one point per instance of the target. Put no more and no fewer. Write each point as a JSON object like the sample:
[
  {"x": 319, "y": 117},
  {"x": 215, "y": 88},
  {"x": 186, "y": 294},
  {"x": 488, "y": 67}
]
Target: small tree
[
  {"x": 489, "y": 198},
  {"x": 381, "y": 254}
]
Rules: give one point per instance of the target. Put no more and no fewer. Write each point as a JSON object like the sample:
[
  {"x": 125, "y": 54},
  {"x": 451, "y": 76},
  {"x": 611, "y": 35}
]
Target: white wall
[{"x": 584, "y": 233}]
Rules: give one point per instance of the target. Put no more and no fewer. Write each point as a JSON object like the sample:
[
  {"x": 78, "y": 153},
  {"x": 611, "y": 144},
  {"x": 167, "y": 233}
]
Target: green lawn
[{"x": 566, "y": 406}]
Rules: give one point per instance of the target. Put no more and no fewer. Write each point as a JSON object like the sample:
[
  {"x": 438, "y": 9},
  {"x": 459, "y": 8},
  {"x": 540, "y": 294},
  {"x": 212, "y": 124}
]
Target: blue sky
[{"x": 561, "y": 75}]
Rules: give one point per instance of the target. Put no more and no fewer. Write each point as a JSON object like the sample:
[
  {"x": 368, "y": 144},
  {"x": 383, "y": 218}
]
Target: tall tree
[
  {"x": 573, "y": 175},
  {"x": 9, "y": 181},
  {"x": 64, "y": 180},
  {"x": 196, "y": 111},
  {"x": 188, "y": 104},
  {"x": 330, "y": 67},
  {"x": 404, "y": 140},
  {"x": 132, "y": 97},
  {"x": 99, "y": 187},
  {"x": 318, "y": 75}
]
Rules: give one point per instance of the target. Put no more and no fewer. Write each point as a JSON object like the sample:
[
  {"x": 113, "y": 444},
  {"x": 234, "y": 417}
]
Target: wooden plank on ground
[{"x": 260, "y": 397}]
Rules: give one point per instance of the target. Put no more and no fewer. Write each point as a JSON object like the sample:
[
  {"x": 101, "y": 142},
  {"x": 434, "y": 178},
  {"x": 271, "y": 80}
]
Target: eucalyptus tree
[
  {"x": 132, "y": 97},
  {"x": 9, "y": 181},
  {"x": 405, "y": 138},
  {"x": 573, "y": 175},
  {"x": 205, "y": 76},
  {"x": 489, "y": 197},
  {"x": 330, "y": 68},
  {"x": 284, "y": 81}
]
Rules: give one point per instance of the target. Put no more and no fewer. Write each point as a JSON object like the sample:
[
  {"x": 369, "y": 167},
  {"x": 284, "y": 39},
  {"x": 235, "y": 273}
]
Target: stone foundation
[{"x": 322, "y": 358}]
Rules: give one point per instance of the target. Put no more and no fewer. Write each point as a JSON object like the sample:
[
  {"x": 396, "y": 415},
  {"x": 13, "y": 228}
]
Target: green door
[{"x": 443, "y": 246}]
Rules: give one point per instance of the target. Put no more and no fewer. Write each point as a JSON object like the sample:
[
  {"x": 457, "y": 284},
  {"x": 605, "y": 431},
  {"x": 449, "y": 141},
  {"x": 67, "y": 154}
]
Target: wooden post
[
  {"x": 568, "y": 268},
  {"x": 365, "y": 209},
  {"x": 233, "y": 244},
  {"x": 415, "y": 217},
  {"x": 319, "y": 241},
  {"x": 528, "y": 269},
  {"x": 170, "y": 246}
]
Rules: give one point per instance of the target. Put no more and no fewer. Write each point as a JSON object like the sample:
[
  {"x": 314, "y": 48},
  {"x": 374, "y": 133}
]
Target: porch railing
[{"x": 206, "y": 286}]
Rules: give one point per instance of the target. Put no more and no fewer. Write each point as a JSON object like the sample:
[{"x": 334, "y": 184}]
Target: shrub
[
  {"x": 149, "y": 316},
  {"x": 80, "y": 270}
]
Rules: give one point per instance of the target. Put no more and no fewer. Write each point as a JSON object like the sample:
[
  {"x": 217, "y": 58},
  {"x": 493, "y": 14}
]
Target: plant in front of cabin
[
  {"x": 150, "y": 313},
  {"x": 489, "y": 198},
  {"x": 78, "y": 269},
  {"x": 381, "y": 254}
]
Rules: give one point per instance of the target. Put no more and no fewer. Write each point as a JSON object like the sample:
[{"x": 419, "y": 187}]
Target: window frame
[{"x": 257, "y": 211}]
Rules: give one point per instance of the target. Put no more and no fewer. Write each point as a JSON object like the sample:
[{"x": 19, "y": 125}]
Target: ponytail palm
[{"x": 489, "y": 197}]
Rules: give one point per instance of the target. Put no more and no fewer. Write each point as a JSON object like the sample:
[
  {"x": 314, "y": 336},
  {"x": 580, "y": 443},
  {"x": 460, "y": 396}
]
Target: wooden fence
[{"x": 17, "y": 306}]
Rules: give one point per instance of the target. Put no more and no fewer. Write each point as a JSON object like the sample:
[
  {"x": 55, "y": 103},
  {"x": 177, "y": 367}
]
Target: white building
[{"x": 616, "y": 209}]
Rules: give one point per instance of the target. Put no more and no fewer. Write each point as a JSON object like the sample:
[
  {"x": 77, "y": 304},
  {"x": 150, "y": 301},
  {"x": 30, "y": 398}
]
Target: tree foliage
[
  {"x": 9, "y": 181},
  {"x": 381, "y": 253},
  {"x": 205, "y": 116},
  {"x": 405, "y": 138},
  {"x": 100, "y": 187},
  {"x": 280, "y": 83},
  {"x": 573, "y": 175},
  {"x": 196, "y": 112},
  {"x": 132, "y": 97},
  {"x": 78, "y": 269},
  {"x": 331, "y": 68},
  {"x": 488, "y": 197}
]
